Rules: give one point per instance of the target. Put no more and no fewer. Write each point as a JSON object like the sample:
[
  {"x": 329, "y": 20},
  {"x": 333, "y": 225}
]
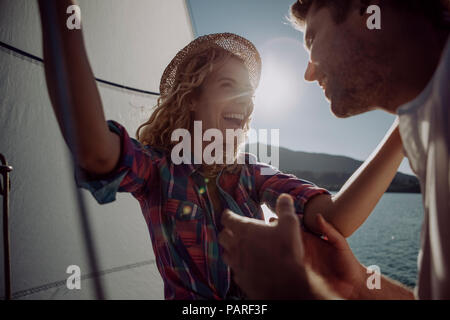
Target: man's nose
[{"x": 310, "y": 73}]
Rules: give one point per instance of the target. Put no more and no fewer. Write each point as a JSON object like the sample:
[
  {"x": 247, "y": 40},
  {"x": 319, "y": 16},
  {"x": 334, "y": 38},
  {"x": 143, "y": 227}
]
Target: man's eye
[{"x": 308, "y": 42}]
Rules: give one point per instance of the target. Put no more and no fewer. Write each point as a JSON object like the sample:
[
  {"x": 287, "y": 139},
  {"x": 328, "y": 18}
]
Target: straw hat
[{"x": 233, "y": 43}]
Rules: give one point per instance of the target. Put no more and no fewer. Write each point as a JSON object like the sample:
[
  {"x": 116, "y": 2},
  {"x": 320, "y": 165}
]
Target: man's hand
[
  {"x": 330, "y": 256},
  {"x": 279, "y": 261},
  {"x": 267, "y": 260}
]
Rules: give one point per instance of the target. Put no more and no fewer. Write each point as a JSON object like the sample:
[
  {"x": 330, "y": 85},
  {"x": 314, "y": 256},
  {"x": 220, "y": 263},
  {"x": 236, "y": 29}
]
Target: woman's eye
[{"x": 226, "y": 85}]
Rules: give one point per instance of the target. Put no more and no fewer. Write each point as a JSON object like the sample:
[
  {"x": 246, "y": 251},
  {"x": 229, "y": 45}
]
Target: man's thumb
[{"x": 285, "y": 209}]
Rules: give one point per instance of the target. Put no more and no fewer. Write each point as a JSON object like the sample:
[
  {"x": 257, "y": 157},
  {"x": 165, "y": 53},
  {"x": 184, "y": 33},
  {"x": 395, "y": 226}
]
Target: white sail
[{"x": 129, "y": 42}]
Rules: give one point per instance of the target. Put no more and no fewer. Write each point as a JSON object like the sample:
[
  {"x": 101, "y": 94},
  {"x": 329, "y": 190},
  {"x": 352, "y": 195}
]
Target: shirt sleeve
[
  {"x": 133, "y": 172},
  {"x": 271, "y": 183}
]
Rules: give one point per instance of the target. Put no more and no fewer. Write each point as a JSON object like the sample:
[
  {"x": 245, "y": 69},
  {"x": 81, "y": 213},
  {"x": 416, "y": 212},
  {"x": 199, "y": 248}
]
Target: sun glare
[{"x": 278, "y": 89}]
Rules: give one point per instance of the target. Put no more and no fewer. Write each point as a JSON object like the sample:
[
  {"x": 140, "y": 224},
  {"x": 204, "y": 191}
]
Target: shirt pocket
[{"x": 188, "y": 220}]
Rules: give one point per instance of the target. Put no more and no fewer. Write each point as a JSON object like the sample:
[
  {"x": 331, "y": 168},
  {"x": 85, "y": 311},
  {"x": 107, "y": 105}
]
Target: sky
[{"x": 284, "y": 100}]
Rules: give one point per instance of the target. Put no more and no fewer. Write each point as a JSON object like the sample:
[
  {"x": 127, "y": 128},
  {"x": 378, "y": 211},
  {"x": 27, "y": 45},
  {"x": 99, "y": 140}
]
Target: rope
[
  {"x": 62, "y": 283},
  {"x": 5, "y": 187},
  {"x": 62, "y": 97},
  {"x": 41, "y": 61}
]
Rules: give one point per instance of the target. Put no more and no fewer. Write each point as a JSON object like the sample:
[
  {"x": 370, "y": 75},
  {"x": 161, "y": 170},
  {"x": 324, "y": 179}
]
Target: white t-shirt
[{"x": 424, "y": 128}]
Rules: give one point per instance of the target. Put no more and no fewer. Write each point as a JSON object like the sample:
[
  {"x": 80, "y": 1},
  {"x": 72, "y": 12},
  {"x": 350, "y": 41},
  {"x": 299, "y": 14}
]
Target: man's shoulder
[{"x": 436, "y": 93}]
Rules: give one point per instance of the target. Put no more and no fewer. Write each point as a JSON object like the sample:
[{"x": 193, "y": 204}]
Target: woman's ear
[
  {"x": 192, "y": 103},
  {"x": 192, "y": 100}
]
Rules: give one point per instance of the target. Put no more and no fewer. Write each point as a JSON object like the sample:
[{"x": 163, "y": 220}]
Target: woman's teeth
[
  {"x": 235, "y": 118},
  {"x": 238, "y": 116}
]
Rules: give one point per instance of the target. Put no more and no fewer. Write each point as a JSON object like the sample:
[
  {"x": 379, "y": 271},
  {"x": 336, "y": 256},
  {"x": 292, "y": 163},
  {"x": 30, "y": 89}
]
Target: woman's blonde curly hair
[{"x": 174, "y": 109}]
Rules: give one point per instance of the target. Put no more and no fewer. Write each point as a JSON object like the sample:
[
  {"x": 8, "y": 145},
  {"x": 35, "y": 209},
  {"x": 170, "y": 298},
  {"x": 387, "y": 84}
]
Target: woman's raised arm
[
  {"x": 350, "y": 207},
  {"x": 98, "y": 149}
]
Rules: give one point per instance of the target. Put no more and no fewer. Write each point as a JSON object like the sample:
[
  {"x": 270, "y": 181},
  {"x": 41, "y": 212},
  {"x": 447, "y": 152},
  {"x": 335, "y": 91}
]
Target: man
[{"x": 402, "y": 68}]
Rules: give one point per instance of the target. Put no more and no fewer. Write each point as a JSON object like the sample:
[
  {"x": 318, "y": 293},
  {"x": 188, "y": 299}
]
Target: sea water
[{"x": 390, "y": 237}]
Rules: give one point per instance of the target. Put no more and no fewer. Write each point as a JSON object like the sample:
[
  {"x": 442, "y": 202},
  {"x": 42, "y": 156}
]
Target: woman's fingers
[{"x": 332, "y": 235}]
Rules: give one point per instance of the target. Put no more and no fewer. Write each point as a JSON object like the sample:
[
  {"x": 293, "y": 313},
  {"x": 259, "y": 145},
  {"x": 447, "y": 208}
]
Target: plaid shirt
[{"x": 179, "y": 213}]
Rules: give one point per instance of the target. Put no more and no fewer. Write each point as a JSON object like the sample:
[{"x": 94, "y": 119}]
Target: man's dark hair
[{"x": 435, "y": 10}]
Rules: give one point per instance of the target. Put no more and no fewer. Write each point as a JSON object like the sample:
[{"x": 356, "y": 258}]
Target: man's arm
[
  {"x": 390, "y": 290},
  {"x": 317, "y": 288}
]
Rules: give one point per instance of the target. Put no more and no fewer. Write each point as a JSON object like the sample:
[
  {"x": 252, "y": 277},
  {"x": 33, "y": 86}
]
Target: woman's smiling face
[{"x": 225, "y": 100}]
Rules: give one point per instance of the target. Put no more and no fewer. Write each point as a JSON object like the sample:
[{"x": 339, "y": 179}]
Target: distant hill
[{"x": 332, "y": 171}]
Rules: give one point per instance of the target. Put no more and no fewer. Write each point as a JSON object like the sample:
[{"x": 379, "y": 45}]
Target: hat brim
[{"x": 237, "y": 45}]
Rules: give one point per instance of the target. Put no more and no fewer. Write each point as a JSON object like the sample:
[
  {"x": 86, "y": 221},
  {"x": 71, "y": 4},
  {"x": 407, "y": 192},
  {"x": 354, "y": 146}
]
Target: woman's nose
[{"x": 244, "y": 97}]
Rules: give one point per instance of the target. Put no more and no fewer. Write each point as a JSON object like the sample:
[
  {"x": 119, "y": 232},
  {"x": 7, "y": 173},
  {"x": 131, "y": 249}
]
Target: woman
[{"x": 212, "y": 80}]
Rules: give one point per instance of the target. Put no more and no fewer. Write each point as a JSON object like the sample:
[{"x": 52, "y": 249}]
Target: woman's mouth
[{"x": 233, "y": 120}]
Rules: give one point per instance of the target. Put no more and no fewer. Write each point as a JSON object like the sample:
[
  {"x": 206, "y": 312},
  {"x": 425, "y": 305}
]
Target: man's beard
[{"x": 359, "y": 96}]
